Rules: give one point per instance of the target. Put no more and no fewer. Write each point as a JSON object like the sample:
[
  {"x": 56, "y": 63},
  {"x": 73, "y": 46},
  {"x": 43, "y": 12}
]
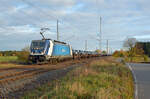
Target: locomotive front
[{"x": 38, "y": 50}]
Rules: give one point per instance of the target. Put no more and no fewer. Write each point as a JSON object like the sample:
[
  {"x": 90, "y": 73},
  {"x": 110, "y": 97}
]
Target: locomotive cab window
[{"x": 38, "y": 44}]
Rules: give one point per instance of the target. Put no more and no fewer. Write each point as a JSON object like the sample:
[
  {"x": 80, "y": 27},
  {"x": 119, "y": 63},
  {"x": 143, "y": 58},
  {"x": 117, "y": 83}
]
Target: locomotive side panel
[
  {"x": 61, "y": 50},
  {"x": 49, "y": 48}
]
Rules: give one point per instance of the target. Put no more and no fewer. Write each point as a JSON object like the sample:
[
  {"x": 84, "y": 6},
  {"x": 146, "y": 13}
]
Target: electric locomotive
[
  {"x": 53, "y": 51},
  {"x": 49, "y": 50}
]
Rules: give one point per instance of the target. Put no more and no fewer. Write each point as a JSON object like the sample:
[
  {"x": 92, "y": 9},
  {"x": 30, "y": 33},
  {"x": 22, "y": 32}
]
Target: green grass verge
[
  {"x": 138, "y": 59},
  {"x": 7, "y": 62},
  {"x": 8, "y": 58},
  {"x": 104, "y": 79}
]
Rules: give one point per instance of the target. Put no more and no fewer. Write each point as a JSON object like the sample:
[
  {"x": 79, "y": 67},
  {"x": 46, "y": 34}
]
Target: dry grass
[
  {"x": 8, "y": 58},
  {"x": 8, "y": 65},
  {"x": 104, "y": 79},
  {"x": 138, "y": 59}
]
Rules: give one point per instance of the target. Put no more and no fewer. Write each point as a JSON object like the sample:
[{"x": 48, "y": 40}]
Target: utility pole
[
  {"x": 107, "y": 48},
  {"x": 100, "y": 41},
  {"x": 85, "y": 45},
  {"x": 111, "y": 51},
  {"x": 57, "y": 30}
]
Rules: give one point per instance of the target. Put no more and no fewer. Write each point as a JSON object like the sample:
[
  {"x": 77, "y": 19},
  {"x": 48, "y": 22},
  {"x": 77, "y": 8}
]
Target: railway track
[
  {"x": 22, "y": 71},
  {"x": 31, "y": 70},
  {"x": 20, "y": 75},
  {"x": 14, "y": 79}
]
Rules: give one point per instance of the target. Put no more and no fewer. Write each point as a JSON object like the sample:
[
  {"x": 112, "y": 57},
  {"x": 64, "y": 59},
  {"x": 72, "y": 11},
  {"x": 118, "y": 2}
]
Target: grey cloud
[{"x": 119, "y": 19}]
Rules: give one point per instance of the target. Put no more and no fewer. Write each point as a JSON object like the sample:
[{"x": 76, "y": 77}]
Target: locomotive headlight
[{"x": 42, "y": 52}]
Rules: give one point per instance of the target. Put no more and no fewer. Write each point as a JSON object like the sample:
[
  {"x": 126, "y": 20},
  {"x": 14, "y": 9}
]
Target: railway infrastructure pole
[
  {"x": 85, "y": 45},
  {"x": 100, "y": 41},
  {"x": 107, "y": 47},
  {"x": 57, "y": 30}
]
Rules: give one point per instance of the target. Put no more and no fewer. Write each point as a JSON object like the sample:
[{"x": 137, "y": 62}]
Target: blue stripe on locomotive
[{"x": 61, "y": 50}]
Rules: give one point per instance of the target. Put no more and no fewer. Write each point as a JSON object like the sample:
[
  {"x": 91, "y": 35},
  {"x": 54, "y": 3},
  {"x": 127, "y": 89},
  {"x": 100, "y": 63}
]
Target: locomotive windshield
[{"x": 38, "y": 44}]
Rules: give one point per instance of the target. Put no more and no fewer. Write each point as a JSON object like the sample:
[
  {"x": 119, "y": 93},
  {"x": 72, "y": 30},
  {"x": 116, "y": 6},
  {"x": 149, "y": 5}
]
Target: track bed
[{"x": 17, "y": 80}]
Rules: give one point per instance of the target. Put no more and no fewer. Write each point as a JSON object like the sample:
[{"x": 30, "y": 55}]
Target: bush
[
  {"x": 23, "y": 56},
  {"x": 146, "y": 58},
  {"x": 119, "y": 54}
]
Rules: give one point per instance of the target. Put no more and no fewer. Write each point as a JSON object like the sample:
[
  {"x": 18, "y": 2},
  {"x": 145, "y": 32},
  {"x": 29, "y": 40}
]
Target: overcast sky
[{"x": 21, "y": 20}]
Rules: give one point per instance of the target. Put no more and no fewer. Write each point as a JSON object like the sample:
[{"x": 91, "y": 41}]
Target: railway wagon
[{"x": 49, "y": 50}]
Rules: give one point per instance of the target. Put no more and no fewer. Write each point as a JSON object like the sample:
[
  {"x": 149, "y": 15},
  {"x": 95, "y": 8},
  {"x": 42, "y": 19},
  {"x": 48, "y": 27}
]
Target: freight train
[{"x": 52, "y": 51}]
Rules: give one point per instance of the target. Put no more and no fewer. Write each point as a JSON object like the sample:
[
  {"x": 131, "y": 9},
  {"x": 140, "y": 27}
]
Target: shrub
[
  {"x": 119, "y": 54},
  {"x": 146, "y": 58},
  {"x": 23, "y": 56}
]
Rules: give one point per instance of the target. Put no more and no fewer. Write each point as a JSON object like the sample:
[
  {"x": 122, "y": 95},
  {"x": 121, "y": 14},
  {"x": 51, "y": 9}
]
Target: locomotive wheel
[{"x": 54, "y": 61}]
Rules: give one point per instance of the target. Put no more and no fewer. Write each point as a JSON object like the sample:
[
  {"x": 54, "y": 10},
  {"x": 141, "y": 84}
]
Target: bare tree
[
  {"x": 26, "y": 49},
  {"x": 130, "y": 45}
]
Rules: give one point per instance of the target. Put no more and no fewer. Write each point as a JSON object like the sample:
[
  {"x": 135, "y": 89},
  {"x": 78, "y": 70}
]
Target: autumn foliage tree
[
  {"x": 129, "y": 44},
  {"x": 120, "y": 53},
  {"x": 98, "y": 51},
  {"x": 24, "y": 54}
]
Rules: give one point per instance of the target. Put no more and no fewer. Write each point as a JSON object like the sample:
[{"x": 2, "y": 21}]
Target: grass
[
  {"x": 8, "y": 58},
  {"x": 104, "y": 79},
  {"x": 5, "y": 61},
  {"x": 138, "y": 59},
  {"x": 8, "y": 65}
]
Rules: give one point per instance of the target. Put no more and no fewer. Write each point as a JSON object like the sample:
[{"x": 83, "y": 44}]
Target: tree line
[
  {"x": 9, "y": 53},
  {"x": 134, "y": 50}
]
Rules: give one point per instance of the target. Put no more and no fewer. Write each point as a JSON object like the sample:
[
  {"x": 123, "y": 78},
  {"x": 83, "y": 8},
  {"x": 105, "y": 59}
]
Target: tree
[
  {"x": 130, "y": 45},
  {"x": 26, "y": 49},
  {"x": 1, "y": 54},
  {"x": 24, "y": 54},
  {"x": 145, "y": 46},
  {"x": 98, "y": 51},
  {"x": 104, "y": 52},
  {"x": 120, "y": 53}
]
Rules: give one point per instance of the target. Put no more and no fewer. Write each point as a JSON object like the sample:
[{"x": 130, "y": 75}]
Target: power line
[
  {"x": 24, "y": 13},
  {"x": 70, "y": 37},
  {"x": 47, "y": 14},
  {"x": 43, "y": 11}
]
